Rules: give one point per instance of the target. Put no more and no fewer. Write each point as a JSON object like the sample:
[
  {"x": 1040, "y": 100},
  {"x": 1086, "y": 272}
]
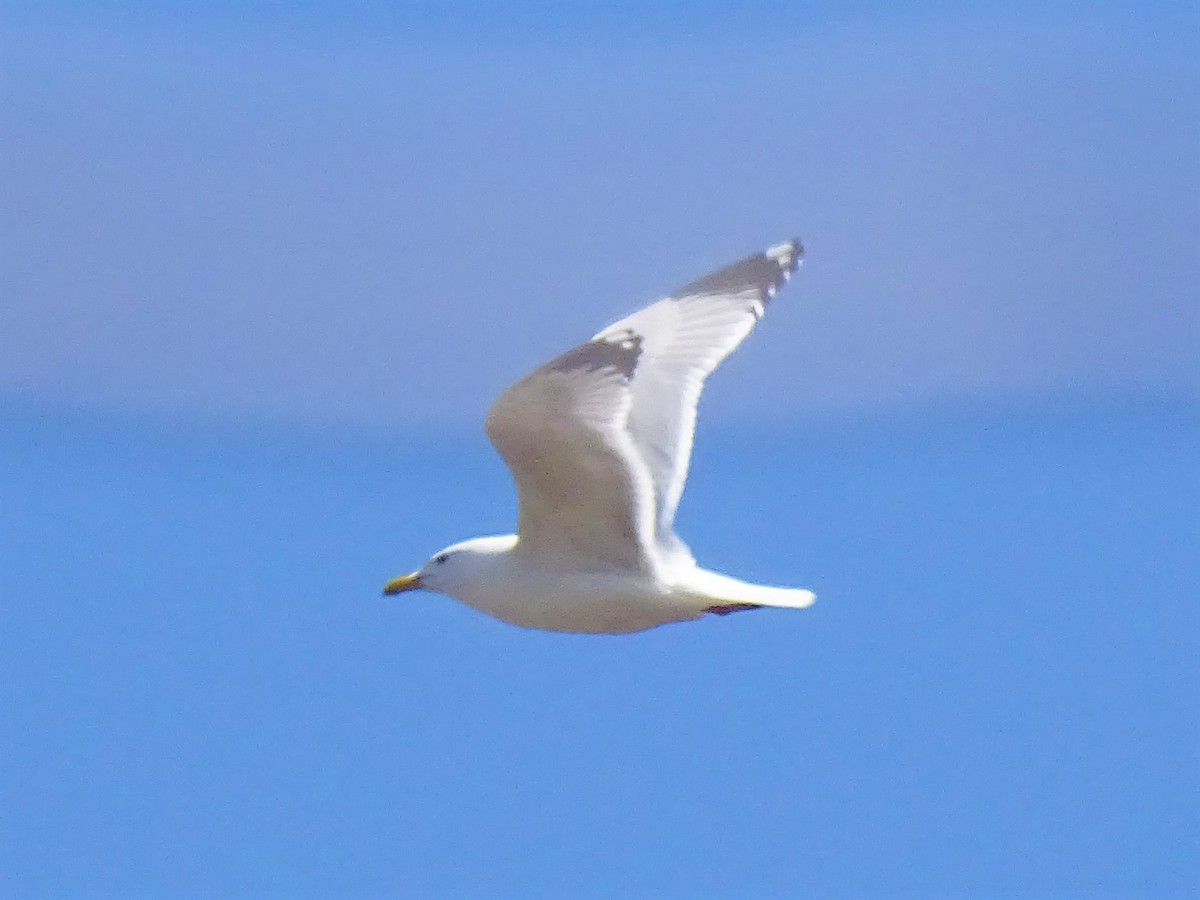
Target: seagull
[{"x": 598, "y": 441}]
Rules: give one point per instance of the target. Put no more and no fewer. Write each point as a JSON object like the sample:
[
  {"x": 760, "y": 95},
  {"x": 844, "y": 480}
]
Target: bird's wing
[
  {"x": 682, "y": 339},
  {"x": 586, "y": 498},
  {"x": 598, "y": 439}
]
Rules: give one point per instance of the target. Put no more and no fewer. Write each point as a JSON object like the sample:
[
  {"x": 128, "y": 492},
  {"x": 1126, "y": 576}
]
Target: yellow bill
[{"x": 403, "y": 583}]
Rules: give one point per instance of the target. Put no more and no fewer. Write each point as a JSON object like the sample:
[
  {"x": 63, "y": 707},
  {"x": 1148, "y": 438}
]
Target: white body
[
  {"x": 506, "y": 585},
  {"x": 599, "y": 603}
]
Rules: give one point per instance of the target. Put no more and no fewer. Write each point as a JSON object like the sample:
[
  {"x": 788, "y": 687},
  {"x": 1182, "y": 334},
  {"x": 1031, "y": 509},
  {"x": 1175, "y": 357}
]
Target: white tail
[{"x": 720, "y": 593}]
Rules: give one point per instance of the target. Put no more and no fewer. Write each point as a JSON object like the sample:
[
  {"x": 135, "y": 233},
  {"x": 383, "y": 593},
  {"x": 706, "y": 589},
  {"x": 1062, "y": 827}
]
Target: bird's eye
[{"x": 440, "y": 558}]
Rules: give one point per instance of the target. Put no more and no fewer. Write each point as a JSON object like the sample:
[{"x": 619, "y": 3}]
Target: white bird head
[{"x": 459, "y": 565}]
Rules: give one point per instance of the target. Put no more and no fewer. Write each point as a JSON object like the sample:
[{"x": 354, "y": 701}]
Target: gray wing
[
  {"x": 585, "y": 495},
  {"x": 684, "y": 337},
  {"x": 598, "y": 440}
]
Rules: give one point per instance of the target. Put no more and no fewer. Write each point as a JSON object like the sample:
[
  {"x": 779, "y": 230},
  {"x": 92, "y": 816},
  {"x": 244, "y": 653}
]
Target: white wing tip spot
[{"x": 787, "y": 255}]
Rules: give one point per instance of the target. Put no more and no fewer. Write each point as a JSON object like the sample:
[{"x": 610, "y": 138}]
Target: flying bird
[{"x": 598, "y": 441}]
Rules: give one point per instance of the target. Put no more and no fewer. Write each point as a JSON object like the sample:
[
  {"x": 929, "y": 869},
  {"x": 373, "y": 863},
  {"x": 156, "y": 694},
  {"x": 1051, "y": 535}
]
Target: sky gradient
[{"x": 381, "y": 220}]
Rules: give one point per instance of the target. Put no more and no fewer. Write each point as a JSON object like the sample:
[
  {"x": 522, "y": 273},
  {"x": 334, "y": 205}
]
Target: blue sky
[
  {"x": 994, "y": 695},
  {"x": 311, "y": 219},
  {"x": 262, "y": 273}
]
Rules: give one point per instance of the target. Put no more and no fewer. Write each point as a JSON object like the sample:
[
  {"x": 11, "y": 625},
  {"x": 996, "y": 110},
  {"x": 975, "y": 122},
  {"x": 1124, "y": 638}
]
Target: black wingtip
[{"x": 764, "y": 271}]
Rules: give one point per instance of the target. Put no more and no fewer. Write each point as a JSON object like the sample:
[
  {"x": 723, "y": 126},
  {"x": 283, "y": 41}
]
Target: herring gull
[{"x": 598, "y": 441}]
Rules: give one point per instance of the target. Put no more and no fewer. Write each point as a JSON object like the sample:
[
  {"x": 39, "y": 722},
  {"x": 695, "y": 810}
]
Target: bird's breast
[{"x": 589, "y": 603}]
